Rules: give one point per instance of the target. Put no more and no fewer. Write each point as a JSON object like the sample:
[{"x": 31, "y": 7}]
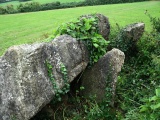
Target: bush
[
  {"x": 91, "y": 2},
  {"x": 50, "y": 6},
  {"x": 28, "y": 7},
  {"x": 155, "y": 23},
  {"x": 2, "y": 10},
  {"x": 9, "y": 9}
]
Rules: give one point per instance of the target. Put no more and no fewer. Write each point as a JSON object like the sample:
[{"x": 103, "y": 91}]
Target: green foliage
[
  {"x": 50, "y": 6},
  {"x": 13, "y": 117},
  {"x": 2, "y": 10},
  {"x": 63, "y": 70},
  {"x": 2, "y": 1},
  {"x": 98, "y": 2},
  {"x": 79, "y": 108},
  {"x": 36, "y": 6},
  {"x": 91, "y": 2},
  {"x": 125, "y": 40},
  {"x": 28, "y": 7},
  {"x": 155, "y": 23},
  {"x": 148, "y": 110},
  {"x": 151, "y": 107},
  {"x": 59, "y": 92},
  {"x": 85, "y": 29},
  {"x": 139, "y": 77},
  {"x": 95, "y": 111},
  {"x": 9, "y": 9}
]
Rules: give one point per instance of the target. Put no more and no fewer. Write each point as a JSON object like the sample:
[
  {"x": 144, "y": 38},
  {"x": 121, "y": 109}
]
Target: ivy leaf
[
  {"x": 95, "y": 45},
  {"x": 87, "y": 26},
  {"x": 154, "y": 107},
  {"x": 72, "y": 26},
  {"x": 95, "y": 40},
  {"x": 154, "y": 98},
  {"x": 143, "y": 108}
]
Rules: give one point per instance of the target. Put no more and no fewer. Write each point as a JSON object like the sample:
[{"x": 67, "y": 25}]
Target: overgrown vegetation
[
  {"x": 138, "y": 92},
  {"x": 36, "y": 6},
  {"x": 86, "y": 29},
  {"x": 139, "y": 78}
]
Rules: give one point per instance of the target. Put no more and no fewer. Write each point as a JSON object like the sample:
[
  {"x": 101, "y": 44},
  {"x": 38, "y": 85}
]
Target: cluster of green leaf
[
  {"x": 66, "y": 87},
  {"x": 86, "y": 30},
  {"x": 151, "y": 107}
]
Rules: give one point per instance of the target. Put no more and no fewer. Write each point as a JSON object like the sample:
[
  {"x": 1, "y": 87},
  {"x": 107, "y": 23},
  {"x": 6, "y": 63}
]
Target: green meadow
[
  {"x": 40, "y": 1},
  {"x": 33, "y": 27}
]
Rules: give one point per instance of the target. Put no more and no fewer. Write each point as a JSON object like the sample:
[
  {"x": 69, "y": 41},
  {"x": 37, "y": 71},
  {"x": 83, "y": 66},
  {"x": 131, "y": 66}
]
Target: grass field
[
  {"x": 32, "y": 27},
  {"x": 40, "y": 1}
]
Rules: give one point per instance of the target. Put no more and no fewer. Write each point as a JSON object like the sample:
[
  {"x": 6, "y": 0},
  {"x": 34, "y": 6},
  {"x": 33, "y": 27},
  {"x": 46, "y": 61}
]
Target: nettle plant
[{"x": 86, "y": 29}]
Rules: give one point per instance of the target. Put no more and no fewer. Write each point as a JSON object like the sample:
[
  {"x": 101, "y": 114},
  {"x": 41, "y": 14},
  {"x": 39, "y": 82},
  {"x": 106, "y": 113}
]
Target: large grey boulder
[
  {"x": 103, "y": 24},
  {"x": 103, "y": 75},
  {"x": 25, "y": 86},
  {"x": 128, "y": 37}
]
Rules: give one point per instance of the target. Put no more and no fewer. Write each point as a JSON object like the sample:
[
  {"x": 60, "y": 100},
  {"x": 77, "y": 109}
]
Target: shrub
[
  {"x": 155, "y": 23},
  {"x": 2, "y": 10},
  {"x": 50, "y": 6},
  {"x": 91, "y": 2},
  {"x": 10, "y": 9},
  {"x": 28, "y": 7}
]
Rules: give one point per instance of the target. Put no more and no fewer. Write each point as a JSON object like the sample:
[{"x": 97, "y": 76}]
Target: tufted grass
[{"x": 33, "y": 27}]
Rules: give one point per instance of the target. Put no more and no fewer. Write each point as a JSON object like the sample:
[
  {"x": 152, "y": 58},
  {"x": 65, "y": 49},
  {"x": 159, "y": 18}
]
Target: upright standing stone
[
  {"x": 103, "y": 75},
  {"x": 128, "y": 37}
]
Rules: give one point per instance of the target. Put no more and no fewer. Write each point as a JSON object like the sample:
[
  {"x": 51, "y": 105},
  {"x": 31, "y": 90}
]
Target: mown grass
[
  {"x": 15, "y": 3},
  {"x": 32, "y": 27}
]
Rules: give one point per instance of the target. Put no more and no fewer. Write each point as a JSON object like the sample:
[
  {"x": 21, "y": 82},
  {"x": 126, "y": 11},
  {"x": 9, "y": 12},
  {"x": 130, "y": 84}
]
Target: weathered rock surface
[
  {"x": 25, "y": 86},
  {"x": 103, "y": 24},
  {"x": 128, "y": 37},
  {"x": 103, "y": 74}
]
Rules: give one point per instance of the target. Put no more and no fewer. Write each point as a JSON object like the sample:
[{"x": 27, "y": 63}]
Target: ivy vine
[
  {"x": 57, "y": 90},
  {"x": 86, "y": 29}
]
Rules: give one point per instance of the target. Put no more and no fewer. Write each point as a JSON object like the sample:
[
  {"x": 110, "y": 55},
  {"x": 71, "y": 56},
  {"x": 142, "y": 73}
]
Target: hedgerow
[{"x": 35, "y": 6}]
